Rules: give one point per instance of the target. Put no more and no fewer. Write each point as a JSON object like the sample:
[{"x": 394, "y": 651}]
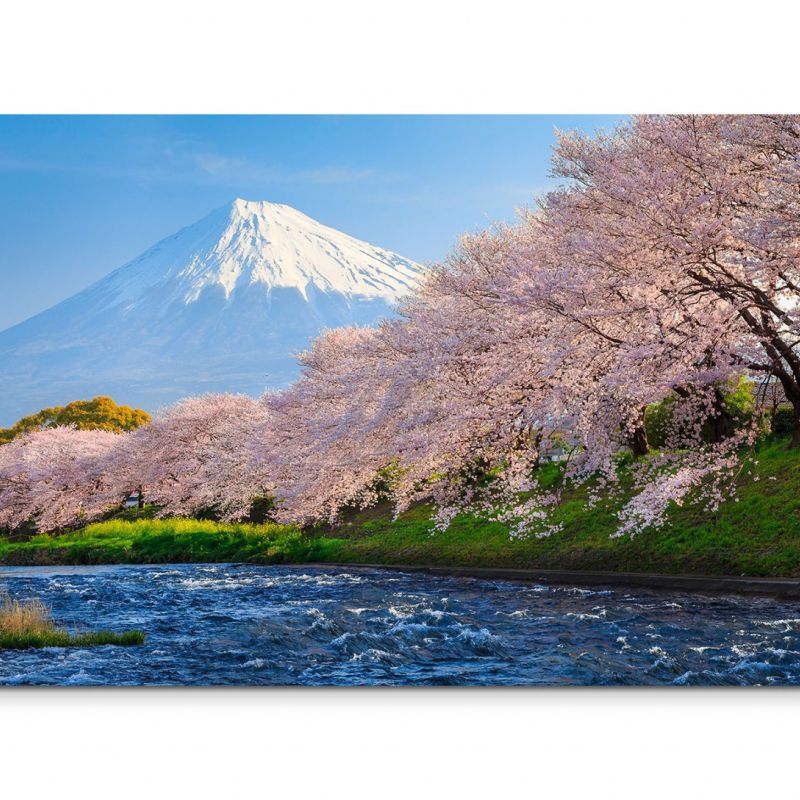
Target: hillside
[{"x": 758, "y": 536}]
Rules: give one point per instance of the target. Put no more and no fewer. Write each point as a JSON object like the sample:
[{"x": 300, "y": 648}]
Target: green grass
[
  {"x": 29, "y": 623},
  {"x": 161, "y": 541},
  {"x": 757, "y": 536},
  {"x": 56, "y": 638}
]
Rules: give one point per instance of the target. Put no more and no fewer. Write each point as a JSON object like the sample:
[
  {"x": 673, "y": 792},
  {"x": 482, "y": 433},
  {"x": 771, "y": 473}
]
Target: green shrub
[
  {"x": 739, "y": 402},
  {"x": 738, "y": 405},
  {"x": 656, "y": 419},
  {"x": 782, "y": 420}
]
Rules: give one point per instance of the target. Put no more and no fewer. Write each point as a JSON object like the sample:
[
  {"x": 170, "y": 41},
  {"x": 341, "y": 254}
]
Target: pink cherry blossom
[
  {"x": 665, "y": 265},
  {"x": 199, "y": 455},
  {"x": 57, "y": 477}
]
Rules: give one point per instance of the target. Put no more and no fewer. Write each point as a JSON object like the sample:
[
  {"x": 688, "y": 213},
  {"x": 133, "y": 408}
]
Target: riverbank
[
  {"x": 162, "y": 541},
  {"x": 757, "y": 536},
  {"x": 785, "y": 588}
]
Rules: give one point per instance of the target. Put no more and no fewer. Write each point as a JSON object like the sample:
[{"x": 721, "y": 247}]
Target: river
[{"x": 236, "y": 624}]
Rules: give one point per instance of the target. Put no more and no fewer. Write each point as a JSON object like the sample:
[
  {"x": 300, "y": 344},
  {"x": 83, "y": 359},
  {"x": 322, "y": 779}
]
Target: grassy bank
[
  {"x": 757, "y": 536},
  {"x": 162, "y": 541},
  {"x": 29, "y": 624}
]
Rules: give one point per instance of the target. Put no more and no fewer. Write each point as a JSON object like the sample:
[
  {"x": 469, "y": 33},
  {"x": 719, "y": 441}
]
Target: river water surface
[{"x": 242, "y": 624}]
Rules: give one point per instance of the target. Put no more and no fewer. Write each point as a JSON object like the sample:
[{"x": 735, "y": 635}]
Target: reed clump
[{"x": 29, "y": 623}]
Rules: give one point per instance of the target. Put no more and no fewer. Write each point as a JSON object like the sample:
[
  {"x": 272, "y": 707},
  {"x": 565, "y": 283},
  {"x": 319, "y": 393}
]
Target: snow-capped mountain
[{"x": 222, "y": 305}]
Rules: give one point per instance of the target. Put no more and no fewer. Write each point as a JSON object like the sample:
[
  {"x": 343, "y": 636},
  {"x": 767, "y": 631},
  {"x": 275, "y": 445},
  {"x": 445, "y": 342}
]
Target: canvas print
[{"x": 400, "y": 400}]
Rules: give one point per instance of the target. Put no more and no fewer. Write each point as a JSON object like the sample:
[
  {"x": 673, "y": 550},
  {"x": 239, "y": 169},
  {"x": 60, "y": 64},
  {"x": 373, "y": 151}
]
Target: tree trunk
[
  {"x": 537, "y": 442},
  {"x": 792, "y": 392},
  {"x": 720, "y": 423},
  {"x": 638, "y": 440},
  {"x": 795, "y": 440},
  {"x": 141, "y": 497}
]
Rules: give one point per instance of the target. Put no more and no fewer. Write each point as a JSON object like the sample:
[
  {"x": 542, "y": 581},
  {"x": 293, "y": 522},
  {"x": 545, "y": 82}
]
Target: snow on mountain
[{"x": 222, "y": 305}]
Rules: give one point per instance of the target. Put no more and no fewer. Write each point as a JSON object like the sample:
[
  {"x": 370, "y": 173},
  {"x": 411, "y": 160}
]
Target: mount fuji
[{"x": 222, "y": 305}]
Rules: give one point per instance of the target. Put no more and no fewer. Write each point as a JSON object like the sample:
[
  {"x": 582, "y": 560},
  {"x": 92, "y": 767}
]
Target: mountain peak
[
  {"x": 221, "y": 305},
  {"x": 255, "y": 242},
  {"x": 259, "y": 208}
]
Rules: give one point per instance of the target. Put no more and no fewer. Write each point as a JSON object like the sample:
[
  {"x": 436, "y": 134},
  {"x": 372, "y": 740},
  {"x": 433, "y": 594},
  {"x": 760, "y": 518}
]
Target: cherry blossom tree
[
  {"x": 711, "y": 202},
  {"x": 664, "y": 267},
  {"x": 198, "y": 455},
  {"x": 431, "y": 393},
  {"x": 57, "y": 477}
]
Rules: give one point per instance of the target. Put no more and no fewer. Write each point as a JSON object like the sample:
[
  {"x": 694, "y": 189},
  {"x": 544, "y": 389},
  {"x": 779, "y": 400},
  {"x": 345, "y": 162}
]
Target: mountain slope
[{"x": 222, "y": 305}]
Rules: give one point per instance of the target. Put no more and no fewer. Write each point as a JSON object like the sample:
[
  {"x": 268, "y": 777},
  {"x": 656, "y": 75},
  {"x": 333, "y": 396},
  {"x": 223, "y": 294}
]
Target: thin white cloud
[
  {"x": 335, "y": 175},
  {"x": 182, "y": 162}
]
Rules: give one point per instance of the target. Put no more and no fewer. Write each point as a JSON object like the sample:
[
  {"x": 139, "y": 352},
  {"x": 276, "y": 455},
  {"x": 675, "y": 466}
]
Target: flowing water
[{"x": 242, "y": 624}]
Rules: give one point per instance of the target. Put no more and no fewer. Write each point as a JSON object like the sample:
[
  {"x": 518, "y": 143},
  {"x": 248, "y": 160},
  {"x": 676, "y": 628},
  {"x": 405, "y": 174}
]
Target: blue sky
[{"x": 79, "y": 196}]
